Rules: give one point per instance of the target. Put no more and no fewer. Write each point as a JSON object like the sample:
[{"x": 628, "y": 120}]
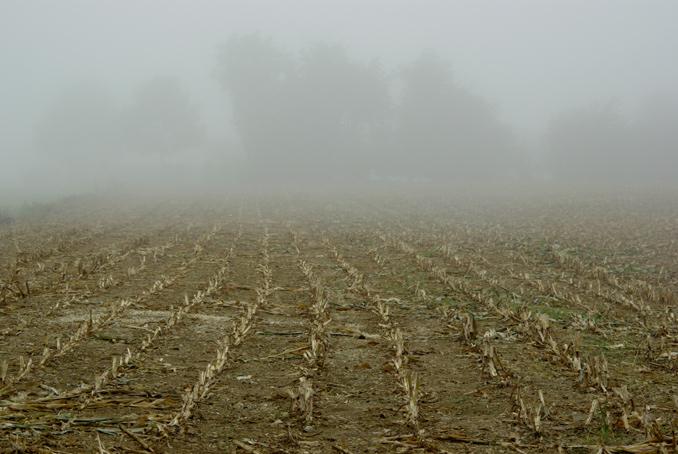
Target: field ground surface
[{"x": 341, "y": 325}]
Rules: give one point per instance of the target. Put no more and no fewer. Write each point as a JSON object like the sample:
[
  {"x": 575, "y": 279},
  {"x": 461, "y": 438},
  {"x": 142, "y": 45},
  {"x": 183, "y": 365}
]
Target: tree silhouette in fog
[
  {"x": 161, "y": 119},
  {"x": 657, "y": 138},
  {"x": 597, "y": 144},
  {"x": 80, "y": 124},
  {"x": 321, "y": 113},
  {"x": 257, "y": 76},
  {"x": 315, "y": 115},
  {"x": 445, "y": 132},
  {"x": 83, "y": 123},
  {"x": 77, "y": 139},
  {"x": 593, "y": 144},
  {"x": 341, "y": 104}
]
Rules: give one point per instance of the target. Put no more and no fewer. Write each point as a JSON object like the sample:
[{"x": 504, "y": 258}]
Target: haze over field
[
  {"x": 338, "y": 226},
  {"x": 202, "y": 95}
]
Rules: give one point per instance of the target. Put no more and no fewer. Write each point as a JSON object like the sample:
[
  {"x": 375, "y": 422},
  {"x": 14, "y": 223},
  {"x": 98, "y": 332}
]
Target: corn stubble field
[{"x": 350, "y": 325}]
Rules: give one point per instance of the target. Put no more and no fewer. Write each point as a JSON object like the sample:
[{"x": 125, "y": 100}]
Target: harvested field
[{"x": 347, "y": 325}]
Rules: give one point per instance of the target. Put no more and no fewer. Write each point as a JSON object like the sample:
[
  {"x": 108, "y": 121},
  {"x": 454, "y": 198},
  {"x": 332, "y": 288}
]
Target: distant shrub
[
  {"x": 6, "y": 219},
  {"x": 34, "y": 211}
]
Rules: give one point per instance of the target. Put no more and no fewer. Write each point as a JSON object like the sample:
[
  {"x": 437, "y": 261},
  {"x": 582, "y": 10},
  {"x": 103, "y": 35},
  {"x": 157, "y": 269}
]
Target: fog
[{"x": 207, "y": 96}]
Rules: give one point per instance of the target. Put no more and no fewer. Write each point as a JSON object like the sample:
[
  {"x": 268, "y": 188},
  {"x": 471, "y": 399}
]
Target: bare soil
[{"x": 539, "y": 326}]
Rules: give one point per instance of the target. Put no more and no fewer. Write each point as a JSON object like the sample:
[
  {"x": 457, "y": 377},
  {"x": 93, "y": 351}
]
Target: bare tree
[
  {"x": 311, "y": 116},
  {"x": 445, "y": 132},
  {"x": 594, "y": 144}
]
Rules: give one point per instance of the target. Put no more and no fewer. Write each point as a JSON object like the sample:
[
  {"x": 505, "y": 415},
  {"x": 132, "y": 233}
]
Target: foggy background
[{"x": 153, "y": 96}]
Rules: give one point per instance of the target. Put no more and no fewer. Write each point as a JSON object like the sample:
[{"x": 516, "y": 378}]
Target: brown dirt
[{"x": 501, "y": 254}]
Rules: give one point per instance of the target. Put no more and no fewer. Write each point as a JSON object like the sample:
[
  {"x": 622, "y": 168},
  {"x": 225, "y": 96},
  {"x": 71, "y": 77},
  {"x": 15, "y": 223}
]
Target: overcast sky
[{"x": 530, "y": 58}]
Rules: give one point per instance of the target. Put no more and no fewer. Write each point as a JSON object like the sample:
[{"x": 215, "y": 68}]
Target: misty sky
[{"x": 531, "y": 59}]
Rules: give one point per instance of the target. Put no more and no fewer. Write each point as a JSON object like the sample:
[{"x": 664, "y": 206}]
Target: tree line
[{"x": 319, "y": 115}]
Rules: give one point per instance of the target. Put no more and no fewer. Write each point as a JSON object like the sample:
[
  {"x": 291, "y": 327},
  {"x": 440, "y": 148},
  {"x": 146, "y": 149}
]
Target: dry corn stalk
[
  {"x": 239, "y": 330},
  {"x": 302, "y": 398},
  {"x": 407, "y": 380},
  {"x": 318, "y": 340},
  {"x": 93, "y": 325},
  {"x": 530, "y": 417}
]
